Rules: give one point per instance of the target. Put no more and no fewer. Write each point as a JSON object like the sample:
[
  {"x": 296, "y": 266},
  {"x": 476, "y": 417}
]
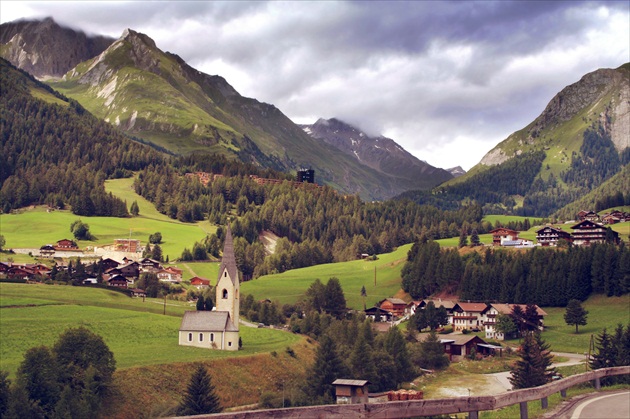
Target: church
[{"x": 217, "y": 329}]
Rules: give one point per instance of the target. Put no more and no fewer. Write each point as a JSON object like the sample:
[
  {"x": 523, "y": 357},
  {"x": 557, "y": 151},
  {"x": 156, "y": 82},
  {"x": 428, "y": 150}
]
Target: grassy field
[
  {"x": 290, "y": 286},
  {"x": 604, "y": 312},
  {"x": 136, "y": 331}
]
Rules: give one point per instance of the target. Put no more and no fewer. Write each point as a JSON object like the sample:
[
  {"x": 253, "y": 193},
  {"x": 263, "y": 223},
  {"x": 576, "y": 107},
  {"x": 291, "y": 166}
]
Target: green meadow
[
  {"x": 136, "y": 332},
  {"x": 290, "y": 286},
  {"x": 35, "y": 227}
]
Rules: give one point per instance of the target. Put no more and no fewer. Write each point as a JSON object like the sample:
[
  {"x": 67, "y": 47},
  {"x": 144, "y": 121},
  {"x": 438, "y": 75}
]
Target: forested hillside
[
  {"x": 54, "y": 152},
  {"x": 316, "y": 224},
  {"x": 546, "y": 276}
]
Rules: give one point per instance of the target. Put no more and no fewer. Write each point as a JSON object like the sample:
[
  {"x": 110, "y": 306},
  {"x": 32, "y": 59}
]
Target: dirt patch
[{"x": 269, "y": 240}]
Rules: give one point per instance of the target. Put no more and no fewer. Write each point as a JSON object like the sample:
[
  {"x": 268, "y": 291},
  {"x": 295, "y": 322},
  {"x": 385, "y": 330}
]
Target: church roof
[
  {"x": 207, "y": 321},
  {"x": 228, "y": 261}
]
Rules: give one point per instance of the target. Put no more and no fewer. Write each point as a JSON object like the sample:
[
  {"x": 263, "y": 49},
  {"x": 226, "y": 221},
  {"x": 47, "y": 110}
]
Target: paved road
[{"x": 606, "y": 405}]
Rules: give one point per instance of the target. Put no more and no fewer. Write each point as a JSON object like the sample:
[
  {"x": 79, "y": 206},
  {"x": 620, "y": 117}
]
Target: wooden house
[
  {"x": 118, "y": 281},
  {"x": 492, "y": 313},
  {"x": 66, "y": 244},
  {"x": 130, "y": 269},
  {"x": 379, "y": 314},
  {"x": 396, "y": 306},
  {"x": 549, "y": 236},
  {"x": 468, "y": 316},
  {"x": 449, "y": 305},
  {"x": 501, "y": 234},
  {"x": 351, "y": 391},
  {"x": 587, "y": 232},
  {"x": 150, "y": 265},
  {"x": 459, "y": 346},
  {"x": 108, "y": 263}
]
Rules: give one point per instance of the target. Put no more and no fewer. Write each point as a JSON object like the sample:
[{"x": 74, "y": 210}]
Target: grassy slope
[
  {"x": 290, "y": 286},
  {"x": 35, "y": 227},
  {"x": 145, "y": 346}
]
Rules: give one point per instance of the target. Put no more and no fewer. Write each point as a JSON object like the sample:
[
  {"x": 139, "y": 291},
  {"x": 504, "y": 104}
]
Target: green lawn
[
  {"x": 604, "y": 312},
  {"x": 135, "y": 331},
  {"x": 290, "y": 286}
]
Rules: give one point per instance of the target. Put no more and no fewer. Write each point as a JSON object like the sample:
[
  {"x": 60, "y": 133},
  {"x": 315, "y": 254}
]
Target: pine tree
[
  {"x": 463, "y": 239},
  {"x": 474, "y": 239},
  {"x": 200, "y": 397},
  {"x": 135, "y": 209},
  {"x": 327, "y": 368},
  {"x": 432, "y": 354},
  {"x": 534, "y": 367},
  {"x": 575, "y": 314}
]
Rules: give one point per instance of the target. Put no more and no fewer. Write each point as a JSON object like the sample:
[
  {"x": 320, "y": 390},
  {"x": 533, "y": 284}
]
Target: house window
[
  {"x": 200, "y": 337},
  {"x": 190, "y": 337},
  {"x": 229, "y": 343},
  {"x": 211, "y": 337},
  {"x": 225, "y": 294}
]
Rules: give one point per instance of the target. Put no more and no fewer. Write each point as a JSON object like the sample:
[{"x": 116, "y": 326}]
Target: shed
[{"x": 351, "y": 391}]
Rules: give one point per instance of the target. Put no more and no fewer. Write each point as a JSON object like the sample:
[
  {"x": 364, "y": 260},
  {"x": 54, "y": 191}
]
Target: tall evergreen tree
[
  {"x": 432, "y": 354},
  {"x": 534, "y": 367},
  {"x": 200, "y": 397},
  {"x": 575, "y": 314},
  {"x": 326, "y": 369}
]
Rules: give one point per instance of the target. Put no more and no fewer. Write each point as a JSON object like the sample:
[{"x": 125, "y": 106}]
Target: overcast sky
[{"x": 446, "y": 80}]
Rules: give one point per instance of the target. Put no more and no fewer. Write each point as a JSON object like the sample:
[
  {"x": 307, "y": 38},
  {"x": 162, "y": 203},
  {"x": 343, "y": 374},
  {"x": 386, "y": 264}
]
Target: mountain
[
  {"x": 156, "y": 96},
  {"x": 456, "y": 171},
  {"x": 380, "y": 153},
  {"x": 578, "y": 142},
  {"x": 45, "y": 49}
]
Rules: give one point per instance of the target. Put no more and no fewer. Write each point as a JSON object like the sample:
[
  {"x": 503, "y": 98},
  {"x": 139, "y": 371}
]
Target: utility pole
[
  {"x": 165, "y": 304},
  {"x": 374, "y": 275}
]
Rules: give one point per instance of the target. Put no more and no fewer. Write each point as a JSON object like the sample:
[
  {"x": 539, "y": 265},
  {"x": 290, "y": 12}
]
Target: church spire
[{"x": 229, "y": 260}]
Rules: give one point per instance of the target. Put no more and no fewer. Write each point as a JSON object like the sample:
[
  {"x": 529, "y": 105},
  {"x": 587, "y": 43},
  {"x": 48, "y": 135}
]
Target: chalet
[
  {"x": 130, "y": 269},
  {"x": 396, "y": 306},
  {"x": 20, "y": 272},
  {"x": 549, "y": 236},
  {"x": 379, "y": 314},
  {"x": 493, "y": 312},
  {"x": 47, "y": 251},
  {"x": 447, "y": 304},
  {"x": 107, "y": 264},
  {"x": 90, "y": 281},
  {"x": 4, "y": 267},
  {"x": 588, "y": 215},
  {"x": 118, "y": 281},
  {"x": 460, "y": 346},
  {"x": 501, "y": 234},
  {"x": 170, "y": 274},
  {"x": 137, "y": 292},
  {"x": 351, "y": 391},
  {"x": 127, "y": 245},
  {"x": 149, "y": 265},
  {"x": 587, "y": 232},
  {"x": 38, "y": 268},
  {"x": 615, "y": 217},
  {"x": 199, "y": 283},
  {"x": 65, "y": 244},
  {"x": 468, "y": 316}
]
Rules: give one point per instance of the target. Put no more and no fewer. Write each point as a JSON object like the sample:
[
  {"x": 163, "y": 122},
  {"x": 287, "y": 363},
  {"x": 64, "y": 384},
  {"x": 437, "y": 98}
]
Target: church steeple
[
  {"x": 229, "y": 261},
  {"x": 228, "y": 284}
]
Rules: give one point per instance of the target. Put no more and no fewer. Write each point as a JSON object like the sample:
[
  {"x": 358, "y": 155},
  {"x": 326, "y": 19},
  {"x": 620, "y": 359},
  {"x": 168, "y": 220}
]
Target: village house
[
  {"x": 47, "y": 251},
  {"x": 588, "y": 215},
  {"x": 130, "y": 269},
  {"x": 65, "y": 244},
  {"x": 199, "y": 283},
  {"x": 170, "y": 274},
  {"x": 137, "y": 292},
  {"x": 107, "y": 264},
  {"x": 396, "y": 306},
  {"x": 468, "y": 316},
  {"x": 587, "y": 232},
  {"x": 492, "y": 313},
  {"x": 118, "y": 281},
  {"x": 149, "y": 265},
  {"x": 127, "y": 245},
  {"x": 449, "y": 305},
  {"x": 459, "y": 346},
  {"x": 549, "y": 236},
  {"x": 217, "y": 329},
  {"x": 378, "y": 314},
  {"x": 501, "y": 234}
]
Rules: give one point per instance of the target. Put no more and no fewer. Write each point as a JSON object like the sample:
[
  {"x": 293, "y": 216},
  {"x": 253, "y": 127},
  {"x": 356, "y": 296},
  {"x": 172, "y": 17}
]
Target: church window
[
  {"x": 190, "y": 337},
  {"x": 229, "y": 343},
  {"x": 225, "y": 294},
  {"x": 200, "y": 337},
  {"x": 211, "y": 337}
]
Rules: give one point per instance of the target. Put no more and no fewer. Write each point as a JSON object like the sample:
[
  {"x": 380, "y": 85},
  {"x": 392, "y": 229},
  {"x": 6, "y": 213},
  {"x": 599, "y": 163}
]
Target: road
[
  {"x": 609, "y": 405},
  {"x": 503, "y": 377}
]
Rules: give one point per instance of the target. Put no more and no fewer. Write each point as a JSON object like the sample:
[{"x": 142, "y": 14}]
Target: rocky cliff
[{"x": 45, "y": 49}]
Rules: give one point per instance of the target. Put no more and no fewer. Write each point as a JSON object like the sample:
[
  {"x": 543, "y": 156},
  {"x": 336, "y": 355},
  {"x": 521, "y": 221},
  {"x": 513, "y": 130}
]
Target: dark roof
[
  {"x": 207, "y": 321},
  {"x": 228, "y": 261},
  {"x": 353, "y": 383}
]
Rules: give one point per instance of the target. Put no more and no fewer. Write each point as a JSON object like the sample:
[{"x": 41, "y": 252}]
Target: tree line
[{"x": 542, "y": 276}]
